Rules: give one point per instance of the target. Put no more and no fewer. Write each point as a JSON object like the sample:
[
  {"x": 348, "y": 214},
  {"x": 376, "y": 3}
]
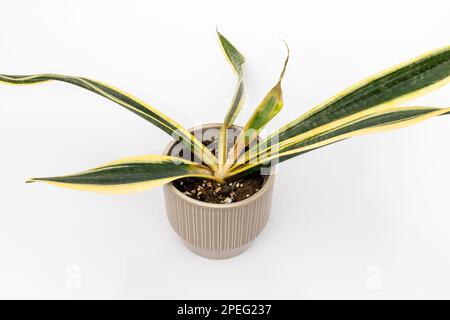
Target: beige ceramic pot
[{"x": 217, "y": 231}]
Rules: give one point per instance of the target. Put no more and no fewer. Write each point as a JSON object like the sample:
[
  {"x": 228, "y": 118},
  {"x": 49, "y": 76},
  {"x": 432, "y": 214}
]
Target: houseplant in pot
[{"x": 218, "y": 178}]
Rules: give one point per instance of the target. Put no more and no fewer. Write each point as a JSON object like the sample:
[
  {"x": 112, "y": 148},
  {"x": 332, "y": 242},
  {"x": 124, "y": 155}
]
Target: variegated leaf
[
  {"x": 410, "y": 79},
  {"x": 393, "y": 118},
  {"x": 130, "y": 174},
  {"x": 129, "y": 102},
  {"x": 269, "y": 107},
  {"x": 237, "y": 60}
]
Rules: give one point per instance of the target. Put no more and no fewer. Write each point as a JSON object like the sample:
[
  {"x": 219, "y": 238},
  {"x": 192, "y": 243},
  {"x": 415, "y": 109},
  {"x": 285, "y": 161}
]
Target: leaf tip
[
  {"x": 219, "y": 35},
  {"x": 285, "y": 62}
]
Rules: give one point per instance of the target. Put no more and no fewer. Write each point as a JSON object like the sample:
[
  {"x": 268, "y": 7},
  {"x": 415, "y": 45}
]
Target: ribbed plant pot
[{"x": 217, "y": 231}]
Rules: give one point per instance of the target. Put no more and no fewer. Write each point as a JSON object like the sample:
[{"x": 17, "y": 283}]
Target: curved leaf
[
  {"x": 391, "y": 119},
  {"x": 237, "y": 60},
  {"x": 130, "y": 174},
  {"x": 126, "y": 100},
  {"x": 410, "y": 79},
  {"x": 269, "y": 107}
]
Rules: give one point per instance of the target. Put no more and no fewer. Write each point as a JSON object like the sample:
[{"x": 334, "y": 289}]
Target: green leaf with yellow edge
[
  {"x": 385, "y": 120},
  {"x": 130, "y": 174},
  {"x": 270, "y": 106},
  {"x": 127, "y": 101},
  {"x": 237, "y": 60},
  {"x": 405, "y": 81}
]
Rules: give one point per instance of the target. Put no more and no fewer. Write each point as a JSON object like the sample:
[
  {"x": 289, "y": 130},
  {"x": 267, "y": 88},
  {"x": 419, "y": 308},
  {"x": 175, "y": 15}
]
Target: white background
[{"x": 365, "y": 218}]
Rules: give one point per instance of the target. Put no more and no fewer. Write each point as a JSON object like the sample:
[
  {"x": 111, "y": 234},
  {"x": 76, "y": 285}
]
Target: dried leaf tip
[{"x": 285, "y": 62}]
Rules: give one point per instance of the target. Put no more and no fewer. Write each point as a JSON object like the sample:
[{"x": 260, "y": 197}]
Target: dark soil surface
[{"x": 213, "y": 192}]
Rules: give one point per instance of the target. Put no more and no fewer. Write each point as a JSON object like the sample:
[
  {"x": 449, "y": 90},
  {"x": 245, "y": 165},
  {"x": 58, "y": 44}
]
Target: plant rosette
[{"x": 218, "y": 191}]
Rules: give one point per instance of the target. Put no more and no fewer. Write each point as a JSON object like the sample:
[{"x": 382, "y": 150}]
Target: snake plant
[{"x": 367, "y": 107}]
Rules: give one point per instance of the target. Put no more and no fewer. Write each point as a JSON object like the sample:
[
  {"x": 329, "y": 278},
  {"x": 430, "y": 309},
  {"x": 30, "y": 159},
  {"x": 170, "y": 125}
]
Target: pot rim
[{"x": 267, "y": 184}]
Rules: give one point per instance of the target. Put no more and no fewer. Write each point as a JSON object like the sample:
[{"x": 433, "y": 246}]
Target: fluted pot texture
[{"x": 217, "y": 231}]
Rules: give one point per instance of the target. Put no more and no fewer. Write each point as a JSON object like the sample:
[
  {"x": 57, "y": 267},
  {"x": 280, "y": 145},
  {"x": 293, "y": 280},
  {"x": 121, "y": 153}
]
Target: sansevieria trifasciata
[{"x": 372, "y": 105}]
